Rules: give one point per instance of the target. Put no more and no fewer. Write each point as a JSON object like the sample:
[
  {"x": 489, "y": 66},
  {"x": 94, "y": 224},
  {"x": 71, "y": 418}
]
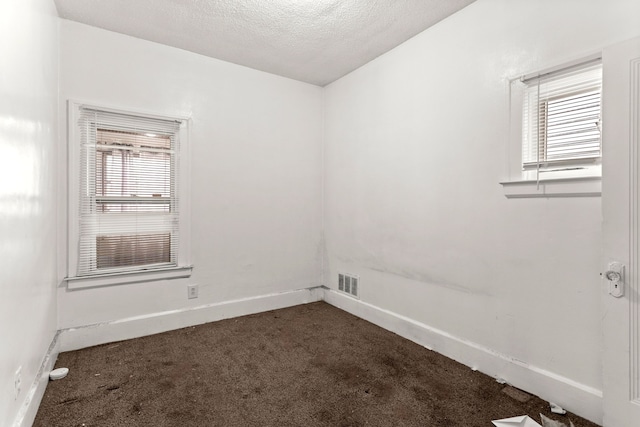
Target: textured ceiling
[{"x": 315, "y": 41}]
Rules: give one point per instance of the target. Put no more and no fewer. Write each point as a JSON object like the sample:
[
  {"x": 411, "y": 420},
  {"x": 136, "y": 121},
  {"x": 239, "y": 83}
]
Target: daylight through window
[
  {"x": 561, "y": 120},
  {"x": 128, "y": 192}
]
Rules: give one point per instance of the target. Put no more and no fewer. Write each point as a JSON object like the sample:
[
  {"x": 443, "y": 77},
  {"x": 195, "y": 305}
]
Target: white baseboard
[
  {"x": 29, "y": 409},
  {"x": 578, "y": 398},
  {"x": 153, "y": 323}
]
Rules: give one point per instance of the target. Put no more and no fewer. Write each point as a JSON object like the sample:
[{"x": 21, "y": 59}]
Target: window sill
[
  {"x": 588, "y": 186},
  {"x": 111, "y": 279}
]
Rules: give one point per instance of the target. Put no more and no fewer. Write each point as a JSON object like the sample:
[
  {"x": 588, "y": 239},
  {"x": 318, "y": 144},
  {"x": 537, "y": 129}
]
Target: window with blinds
[
  {"x": 129, "y": 216},
  {"x": 561, "y": 119}
]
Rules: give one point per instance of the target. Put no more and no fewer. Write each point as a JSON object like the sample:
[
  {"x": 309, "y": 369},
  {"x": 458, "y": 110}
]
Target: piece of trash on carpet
[
  {"x": 557, "y": 409},
  {"x": 527, "y": 421},
  {"x": 520, "y": 421},
  {"x": 548, "y": 422},
  {"x": 58, "y": 374},
  {"x": 516, "y": 394}
]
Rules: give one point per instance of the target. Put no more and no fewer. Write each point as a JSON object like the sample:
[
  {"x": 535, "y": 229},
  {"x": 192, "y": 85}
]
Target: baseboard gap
[{"x": 29, "y": 409}]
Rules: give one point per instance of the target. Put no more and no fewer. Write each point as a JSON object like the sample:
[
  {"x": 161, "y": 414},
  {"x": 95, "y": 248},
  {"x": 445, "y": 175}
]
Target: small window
[
  {"x": 561, "y": 125},
  {"x": 126, "y": 217}
]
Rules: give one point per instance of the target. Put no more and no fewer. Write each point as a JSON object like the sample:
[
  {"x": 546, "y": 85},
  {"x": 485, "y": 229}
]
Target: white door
[{"x": 621, "y": 215}]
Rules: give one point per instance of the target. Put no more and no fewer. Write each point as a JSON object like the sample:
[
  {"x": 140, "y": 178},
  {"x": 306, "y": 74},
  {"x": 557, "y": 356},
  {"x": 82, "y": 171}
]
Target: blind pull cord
[{"x": 538, "y": 138}]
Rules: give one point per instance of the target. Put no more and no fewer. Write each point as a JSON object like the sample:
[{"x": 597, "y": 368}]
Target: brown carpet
[{"x": 310, "y": 365}]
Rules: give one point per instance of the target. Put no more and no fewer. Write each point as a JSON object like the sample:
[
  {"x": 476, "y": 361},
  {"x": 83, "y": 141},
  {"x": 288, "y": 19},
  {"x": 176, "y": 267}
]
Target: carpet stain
[
  {"x": 165, "y": 385},
  {"x": 516, "y": 394},
  {"x": 382, "y": 390},
  {"x": 423, "y": 395}
]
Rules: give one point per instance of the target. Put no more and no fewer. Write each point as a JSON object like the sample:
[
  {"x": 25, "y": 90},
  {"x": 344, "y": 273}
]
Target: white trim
[
  {"x": 633, "y": 282},
  {"x": 576, "y": 63},
  {"x": 590, "y": 186},
  {"x": 579, "y": 398},
  {"x": 29, "y": 409},
  {"x": 164, "y": 115},
  {"x": 124, "y": 277},
  {"x": 154, "y": 323}
]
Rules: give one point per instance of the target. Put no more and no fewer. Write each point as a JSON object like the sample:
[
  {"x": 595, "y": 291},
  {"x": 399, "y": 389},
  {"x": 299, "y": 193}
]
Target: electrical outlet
[
  {"x": 17, "y": 383},
  {"x": 192, "y": 291}
]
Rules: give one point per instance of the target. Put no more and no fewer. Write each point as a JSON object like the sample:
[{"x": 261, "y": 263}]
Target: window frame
[
  {"x": 183, "y": 265},
  {"x": 524, "y": 182}
]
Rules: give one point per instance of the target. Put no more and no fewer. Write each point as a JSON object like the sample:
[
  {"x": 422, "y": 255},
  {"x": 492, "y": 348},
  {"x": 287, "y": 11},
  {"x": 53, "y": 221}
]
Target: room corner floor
[{"x": 309, "y": 365}]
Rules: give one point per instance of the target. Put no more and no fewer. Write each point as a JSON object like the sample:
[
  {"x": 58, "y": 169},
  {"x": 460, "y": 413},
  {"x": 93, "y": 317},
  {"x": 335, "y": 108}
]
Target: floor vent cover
[{"x": 348, "y": 284}]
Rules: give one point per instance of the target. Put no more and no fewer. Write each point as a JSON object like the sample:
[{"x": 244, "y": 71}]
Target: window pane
[
  {"x": 128, "y": 192},
  {"x": 132, "y": 250},
  {"x": 132, "y": 165},
  {"x": 561, "y": 119},
  {"x": 572, "y": 127},
  {"x": 133, "y": 139}
]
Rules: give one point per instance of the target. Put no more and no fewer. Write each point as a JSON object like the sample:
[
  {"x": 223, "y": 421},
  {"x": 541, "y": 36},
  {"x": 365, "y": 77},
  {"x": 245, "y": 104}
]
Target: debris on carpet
[{"x": 516, "y": 394}]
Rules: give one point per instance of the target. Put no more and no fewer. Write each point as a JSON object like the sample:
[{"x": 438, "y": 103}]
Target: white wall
[
  {"x": 255, "y": 170},
  {"x": 28, "y": 131},
  {"x": 415, "y": 148}
]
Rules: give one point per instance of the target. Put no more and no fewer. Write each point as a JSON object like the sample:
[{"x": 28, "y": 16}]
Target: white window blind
[
  {"x": 561, "y": 119},
  {"x": 129, "y": 217}
]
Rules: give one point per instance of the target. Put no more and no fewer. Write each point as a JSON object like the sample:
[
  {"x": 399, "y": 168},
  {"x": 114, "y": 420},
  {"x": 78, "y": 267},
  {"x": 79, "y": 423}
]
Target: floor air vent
[{"x": 348, "y": 284}]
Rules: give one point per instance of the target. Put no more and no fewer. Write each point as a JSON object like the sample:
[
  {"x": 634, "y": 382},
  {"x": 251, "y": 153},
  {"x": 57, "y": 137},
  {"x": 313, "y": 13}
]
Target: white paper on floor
[
  {"x": 521, "y": 421},
  {"x": 527, "y": 421}
]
